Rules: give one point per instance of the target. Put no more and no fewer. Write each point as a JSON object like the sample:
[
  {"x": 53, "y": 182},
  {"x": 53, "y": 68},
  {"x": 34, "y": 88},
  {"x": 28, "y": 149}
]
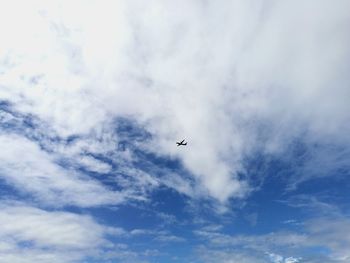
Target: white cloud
[
  {"x": 29, "y": 169},
  {"x": 292, "y": 260},
  {"x": 158, "y": 235},
  {"x": 29, "y": 234},
  {"x": 94, "y": 165},
  {"x": 209, "y": 255},
  {"x": 331, "y": 233},
  {"x": 169, "y": 238},
  {"x": 212, "y": 228},
  {"x": 230, "y": 77},
  {"x": 327, "y": 233},
  {"x": 256, "y": 242},
  {"x": 275, "y": 258}
]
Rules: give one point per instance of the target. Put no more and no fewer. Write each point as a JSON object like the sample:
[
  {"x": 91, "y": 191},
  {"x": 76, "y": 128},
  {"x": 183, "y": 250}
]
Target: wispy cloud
[
  {"x": 158, "y": 235},
  {"x": 210, "y": 255},
  {"x": 326, "y": 233},
  {"x": 29, "y": 169},
  {"x": 280, "y": 259}
]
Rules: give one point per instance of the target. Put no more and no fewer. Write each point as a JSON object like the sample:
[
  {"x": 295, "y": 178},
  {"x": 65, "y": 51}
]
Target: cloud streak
[{"x": 30, "y": 170}]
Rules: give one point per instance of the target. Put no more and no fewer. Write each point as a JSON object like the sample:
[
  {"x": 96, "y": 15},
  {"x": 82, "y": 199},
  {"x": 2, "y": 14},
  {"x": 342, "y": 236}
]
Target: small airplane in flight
[{"x": 181, "y": 143}]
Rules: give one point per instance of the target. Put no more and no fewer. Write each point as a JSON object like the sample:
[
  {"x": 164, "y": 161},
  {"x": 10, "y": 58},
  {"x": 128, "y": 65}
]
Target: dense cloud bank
[{"x": 230, "y": 77}]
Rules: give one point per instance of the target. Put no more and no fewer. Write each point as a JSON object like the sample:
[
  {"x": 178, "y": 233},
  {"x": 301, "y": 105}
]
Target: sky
[{"x": 95, "y": 94}]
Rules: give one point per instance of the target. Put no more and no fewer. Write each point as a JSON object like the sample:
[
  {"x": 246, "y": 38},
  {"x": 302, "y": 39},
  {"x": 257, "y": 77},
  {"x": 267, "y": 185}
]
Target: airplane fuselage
[{"x": 181, "y": 143}]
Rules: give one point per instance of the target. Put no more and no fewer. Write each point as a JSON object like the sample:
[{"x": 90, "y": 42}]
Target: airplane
[{"x": 181, "y": 143}]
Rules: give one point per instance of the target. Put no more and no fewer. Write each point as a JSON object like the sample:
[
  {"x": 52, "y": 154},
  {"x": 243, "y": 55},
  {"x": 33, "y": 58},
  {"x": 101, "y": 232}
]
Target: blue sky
[{"x": 95, "y": 94}]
